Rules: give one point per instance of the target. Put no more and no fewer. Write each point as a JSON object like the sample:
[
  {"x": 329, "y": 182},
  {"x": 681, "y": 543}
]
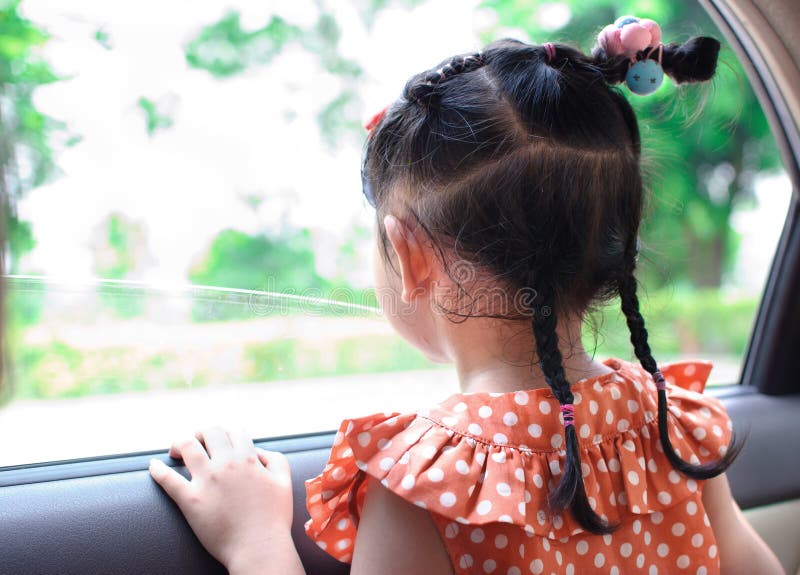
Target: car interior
[{"x": 106, "y": 515}]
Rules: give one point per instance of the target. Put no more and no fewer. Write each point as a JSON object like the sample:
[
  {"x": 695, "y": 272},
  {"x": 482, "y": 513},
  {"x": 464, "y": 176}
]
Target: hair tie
[
  {"x": 658, "y": 378},
  {"x": 568, "y": 411},
  {"x": 550, "y": 51},
  {"x": 628, "y": 36},
  {"x": 376, "y": 119}
]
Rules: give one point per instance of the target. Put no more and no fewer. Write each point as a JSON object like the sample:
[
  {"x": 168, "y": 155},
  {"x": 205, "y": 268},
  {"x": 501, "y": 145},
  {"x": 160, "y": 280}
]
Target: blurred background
[{"x": 186, "y": 241}]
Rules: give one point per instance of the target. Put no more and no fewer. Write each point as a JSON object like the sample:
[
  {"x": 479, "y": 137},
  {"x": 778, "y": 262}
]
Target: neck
[{"x": 493, "y": 355}]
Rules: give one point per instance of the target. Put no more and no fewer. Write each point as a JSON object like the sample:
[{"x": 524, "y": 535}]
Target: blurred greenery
[{"x": 155, "y": 117}]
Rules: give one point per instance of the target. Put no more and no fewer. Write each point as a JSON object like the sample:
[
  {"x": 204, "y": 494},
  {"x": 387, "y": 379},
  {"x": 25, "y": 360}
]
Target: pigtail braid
[
  {"x": 630, "y": 307},
  {"x": 570, "y": 491},
  {"x": 423, "y": 88}
]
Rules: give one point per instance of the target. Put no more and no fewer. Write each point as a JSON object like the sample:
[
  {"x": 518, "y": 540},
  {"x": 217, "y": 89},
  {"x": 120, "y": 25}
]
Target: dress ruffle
[{"x": 443, "y": 460}]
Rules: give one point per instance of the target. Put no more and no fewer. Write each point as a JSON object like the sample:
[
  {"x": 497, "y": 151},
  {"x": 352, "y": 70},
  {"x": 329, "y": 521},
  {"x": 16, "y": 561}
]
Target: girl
[{"x": 509, "y": 196}]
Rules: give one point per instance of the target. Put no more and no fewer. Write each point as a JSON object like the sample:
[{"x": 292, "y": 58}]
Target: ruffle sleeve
[{"x": 484, "y": 458}]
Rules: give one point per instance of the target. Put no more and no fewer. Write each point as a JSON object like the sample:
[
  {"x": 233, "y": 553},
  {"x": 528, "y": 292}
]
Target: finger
[
  {"x": 175, "y": 484},
  {"x": 194, "y": 456},
  {"x": 274, "y": 461},
  {"x": 217, "y": 443},
  {"x": 242, "y": 444}
]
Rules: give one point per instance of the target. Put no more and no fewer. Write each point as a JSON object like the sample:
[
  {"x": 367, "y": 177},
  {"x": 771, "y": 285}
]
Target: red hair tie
[{"x": 376, "y": 119}]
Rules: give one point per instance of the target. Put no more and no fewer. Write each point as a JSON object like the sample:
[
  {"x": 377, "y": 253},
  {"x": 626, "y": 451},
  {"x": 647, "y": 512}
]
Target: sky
[{"x": 230, "y": 138}]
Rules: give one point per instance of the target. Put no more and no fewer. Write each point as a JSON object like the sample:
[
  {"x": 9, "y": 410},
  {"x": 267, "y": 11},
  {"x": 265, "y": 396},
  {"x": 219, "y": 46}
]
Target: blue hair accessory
[{"x": 645, "y": 76}]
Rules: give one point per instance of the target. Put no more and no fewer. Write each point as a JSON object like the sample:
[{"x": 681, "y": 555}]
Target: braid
[
  {"x": 424, "y": 87},
  {"x": 630, "y": 307},
  {"x": 570, "y": 492}
]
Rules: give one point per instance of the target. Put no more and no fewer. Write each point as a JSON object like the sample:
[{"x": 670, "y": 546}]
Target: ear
[{"x": 413, "y": 257}]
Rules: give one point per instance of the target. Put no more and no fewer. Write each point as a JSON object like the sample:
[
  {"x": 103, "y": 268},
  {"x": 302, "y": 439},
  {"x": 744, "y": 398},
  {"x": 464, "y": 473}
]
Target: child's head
[{"x": 524, "y": 162}]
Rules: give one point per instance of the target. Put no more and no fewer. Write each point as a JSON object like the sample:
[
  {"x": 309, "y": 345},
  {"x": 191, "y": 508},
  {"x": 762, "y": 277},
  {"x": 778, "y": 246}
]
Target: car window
[{"x": 188, "y": 245}]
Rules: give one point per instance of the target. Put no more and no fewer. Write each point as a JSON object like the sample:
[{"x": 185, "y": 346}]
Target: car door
[{"x": 103, "y": 513}]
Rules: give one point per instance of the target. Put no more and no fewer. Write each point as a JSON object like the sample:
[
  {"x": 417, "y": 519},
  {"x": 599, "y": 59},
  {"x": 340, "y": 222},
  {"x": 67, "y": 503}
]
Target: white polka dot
[
  {"x": 428, "y": 451},
  {"x": 501, "y": 541},
  {"x": 510, "y": 418},
  {"x": 386, "y": 463},
  {"x": 484, "y": 507},
  {"x": 626, "y": 549},
  {"x": 559, "y": 557},
  {"x": 535, "y": 430},
  {"x": 585, "y": 431},
  {"x": 640, "y": 560},
  {"x": 337, "y": 473},
  {"x": 664, "y": 498},
  {"x": 678, "y": 529},
  {"x": 691, "y": 485},
  {"x": 519, "y": 474},
  {"x": 699, "y": 433},
  {"x": 537, "y": 480},
  {"x": 537, "y": 566},
  {"x": 480, "y": 457},
  {"x": 513, "y": 571},
  {"x": 633, "y": 406},
  {"x": 484, "y": 411},
  {"x": 544, "y": 407},
  {"x": 593, "y": 407},
  {"x": 499, "y": 456},
  {"x": 342, "y": 524},
  {"x": 614, "y": 570},
  {"x": 570, "y": 569},
  {"x": 653, "y": 570},
  {"x": 462, "y": 467},
  {"x": 557, "y": 440},
  {"x": 500, "y": 438},
  {"x": 633, "y": 477},
  {"x": 521, "y": 398},
  {"x": 647, "y": 538},
  {"x": 613, "y": 465},
  {"x": 712, "y": 551},
  {"x": 466, "y": 561},
  {"x": 477, "y": 535},
  {"x": 435, "y": 474},
  {"x": 662, "y": 549},
  {"x": 609, "y": 417},
  {"x": 364, "y": 438},
  {"x": 702, "y": 570},
  {"x": 629, "y": 445},
  {"x": 503, "y": 489},
  {"x": 615, "y": 393},
  {"x": 623, "y": 425},
  {"x": 447, "y": 499},
  {"x": 555, "y": 467},
  {"x": 408, "y": 482},
  {"x": 601, "y": 466},
  {"x": 637, "y": 527},
  {"x": 460, "y": 407},
  {"x": 585, "y": 469},
  {"x": 651, "y": 466},
  {"x": 599, "y": 560},
  {"x": 657, "y": 518},
  {"x": 717, "y": 430},
  {"x": 697, "y": 540},
  {"x": 505, "y": 519},
  {"x": 489, "y": 566},
  {"x": 683, "y": 561},
  {"x": 343, "y": 544},
  {"x": 582, "y": 548},
  {"x": 673, "y": 476},
  {"x": 474, "y": 429}
]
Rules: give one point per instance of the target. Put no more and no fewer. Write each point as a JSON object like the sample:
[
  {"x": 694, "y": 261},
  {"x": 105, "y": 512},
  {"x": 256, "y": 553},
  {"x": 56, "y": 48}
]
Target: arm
[
  {"x": 741, "y": 550},
  {"x": 396, "y": 537},
  {"x": 238, "y": 503}
]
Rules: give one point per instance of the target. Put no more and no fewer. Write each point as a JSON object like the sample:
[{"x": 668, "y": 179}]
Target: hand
[{"x": 239, "y": 500}]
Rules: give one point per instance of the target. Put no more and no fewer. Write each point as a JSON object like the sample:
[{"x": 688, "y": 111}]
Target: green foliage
[
  {"x": 224, "y": 49},
  {"x": 155, "y": 118},
  {"x": 24, "y": 131},
  {"x": 688, "y": 226},
  {"x": 283, "y": 263}
]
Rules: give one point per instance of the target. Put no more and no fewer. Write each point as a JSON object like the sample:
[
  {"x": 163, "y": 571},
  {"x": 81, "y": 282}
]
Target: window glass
[{"x": 188, "y": 245}]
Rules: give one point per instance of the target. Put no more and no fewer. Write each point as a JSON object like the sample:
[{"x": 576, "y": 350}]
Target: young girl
[{"x": 509, "y": 196}]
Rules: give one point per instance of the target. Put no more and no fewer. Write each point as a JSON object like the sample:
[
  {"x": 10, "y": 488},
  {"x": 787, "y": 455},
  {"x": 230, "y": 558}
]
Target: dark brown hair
[{"x": 529, "y": 169}]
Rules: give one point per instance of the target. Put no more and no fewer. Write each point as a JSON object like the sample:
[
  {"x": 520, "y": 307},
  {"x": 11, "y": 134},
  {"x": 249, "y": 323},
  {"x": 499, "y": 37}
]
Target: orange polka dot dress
[{"x": 483, "y": 464}]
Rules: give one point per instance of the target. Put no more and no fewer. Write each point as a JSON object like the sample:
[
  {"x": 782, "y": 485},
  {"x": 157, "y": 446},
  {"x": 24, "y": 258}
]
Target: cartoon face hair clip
[{"x": 628, "y": 36}]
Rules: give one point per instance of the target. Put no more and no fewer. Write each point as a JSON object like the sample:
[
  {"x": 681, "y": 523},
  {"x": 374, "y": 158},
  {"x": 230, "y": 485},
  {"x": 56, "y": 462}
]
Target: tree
[
  {"x": 700, "y": 169},
  {"x": 25, "y": 152}
]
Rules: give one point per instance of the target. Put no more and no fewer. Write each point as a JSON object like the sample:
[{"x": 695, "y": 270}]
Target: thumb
[{"x": 175, "y": 484}]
